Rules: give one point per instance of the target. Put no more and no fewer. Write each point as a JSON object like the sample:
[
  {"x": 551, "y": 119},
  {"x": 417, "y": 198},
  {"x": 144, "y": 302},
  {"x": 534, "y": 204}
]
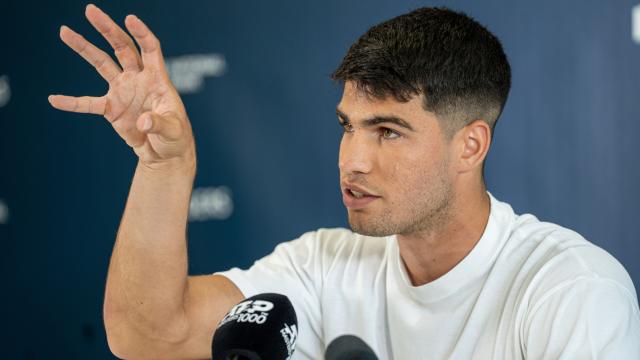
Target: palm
[
  {"x": 133, "y": 94},
  {"x": 138, "y": 88}
]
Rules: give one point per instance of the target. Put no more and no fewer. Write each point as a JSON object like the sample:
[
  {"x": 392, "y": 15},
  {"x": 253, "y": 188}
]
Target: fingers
[
  {"x": 103, "y": 63},
  {"x": 149, "y": 44},
  {"x": 82, "y": 104},
  {"x": 167, "y": 127},
  {"x": 124, "y": 47}
]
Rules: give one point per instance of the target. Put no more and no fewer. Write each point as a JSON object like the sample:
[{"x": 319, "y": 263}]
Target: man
[{"x": 434, "y": 268}]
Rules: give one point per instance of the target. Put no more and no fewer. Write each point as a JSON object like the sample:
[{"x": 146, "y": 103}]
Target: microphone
[
  {"x": 349, "y": 347},
  {"x": 262, "y": 327}
]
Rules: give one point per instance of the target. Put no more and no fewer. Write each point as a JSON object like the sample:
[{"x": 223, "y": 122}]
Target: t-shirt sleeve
[
  {"x": 586, "y": 318},
  {"x": 292, "y": 269}
]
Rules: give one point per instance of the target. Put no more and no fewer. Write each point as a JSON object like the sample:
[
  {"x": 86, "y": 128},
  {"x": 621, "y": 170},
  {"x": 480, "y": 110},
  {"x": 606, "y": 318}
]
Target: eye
[
  {"x": 346, "y": 126},
  {"x": 388, "y": 134}
]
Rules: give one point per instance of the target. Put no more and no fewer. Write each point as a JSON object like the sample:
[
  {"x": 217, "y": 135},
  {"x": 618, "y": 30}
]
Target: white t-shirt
[{"x": 527, "y": 290}]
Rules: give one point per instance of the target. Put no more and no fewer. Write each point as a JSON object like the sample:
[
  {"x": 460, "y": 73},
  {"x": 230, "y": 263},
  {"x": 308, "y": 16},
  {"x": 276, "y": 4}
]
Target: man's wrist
[{"x": 178, "y": 166}]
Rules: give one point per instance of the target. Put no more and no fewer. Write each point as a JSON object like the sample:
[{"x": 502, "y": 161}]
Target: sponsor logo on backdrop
[
  {"x": 635, "y": 24},
  {"x": 4, "y": 212},
  {"x": 187, "y": 72},
  {"x": 5, "y": 90},
  {"x": 210, "y": 203}
]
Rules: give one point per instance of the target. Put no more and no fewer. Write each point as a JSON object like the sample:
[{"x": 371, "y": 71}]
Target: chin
[{"x": 374, "y": 228}]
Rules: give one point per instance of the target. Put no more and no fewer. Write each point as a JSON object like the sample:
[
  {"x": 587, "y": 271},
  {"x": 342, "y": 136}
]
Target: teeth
[{"x": 356, "y": 194}]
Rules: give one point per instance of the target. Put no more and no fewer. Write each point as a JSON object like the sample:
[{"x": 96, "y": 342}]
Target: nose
[{"x": 356, "y": 154}]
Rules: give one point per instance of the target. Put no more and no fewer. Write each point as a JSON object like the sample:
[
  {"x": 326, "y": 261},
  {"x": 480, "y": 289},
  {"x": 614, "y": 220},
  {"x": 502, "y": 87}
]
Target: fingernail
[
  {"x": 133, "y": 18},
  {"x": 146, "y": 126}
]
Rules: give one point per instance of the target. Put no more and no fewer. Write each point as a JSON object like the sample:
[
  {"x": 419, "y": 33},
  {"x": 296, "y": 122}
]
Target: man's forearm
[{"x": 148, "y": 271}]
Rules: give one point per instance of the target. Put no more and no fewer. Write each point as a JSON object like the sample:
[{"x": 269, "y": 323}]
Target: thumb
[{"x": 167, "y": 126}]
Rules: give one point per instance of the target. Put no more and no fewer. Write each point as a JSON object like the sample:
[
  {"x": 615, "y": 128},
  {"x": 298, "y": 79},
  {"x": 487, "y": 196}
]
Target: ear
[{"x": 474, "y": 141}]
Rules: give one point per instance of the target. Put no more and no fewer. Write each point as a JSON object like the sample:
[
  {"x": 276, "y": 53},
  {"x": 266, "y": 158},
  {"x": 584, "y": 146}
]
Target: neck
[{"x": 429, "y": 254}]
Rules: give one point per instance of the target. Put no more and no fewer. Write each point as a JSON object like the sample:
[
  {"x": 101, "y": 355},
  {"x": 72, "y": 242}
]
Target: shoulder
[
  {"x": 557, "y": 256},
  {"x": 556, "y": 266},
  {"x": 546, "y": 255},
  {"x": 543, "y": 258},
  {"x": 568, "y": 291}
]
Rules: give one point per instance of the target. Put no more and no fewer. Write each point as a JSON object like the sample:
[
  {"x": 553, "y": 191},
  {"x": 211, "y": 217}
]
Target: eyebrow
[{"x": 376, "y": 120}]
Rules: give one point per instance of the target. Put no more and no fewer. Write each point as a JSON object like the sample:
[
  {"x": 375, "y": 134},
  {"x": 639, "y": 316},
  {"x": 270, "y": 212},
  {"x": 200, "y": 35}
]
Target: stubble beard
[{"x": 423, "y": 212}]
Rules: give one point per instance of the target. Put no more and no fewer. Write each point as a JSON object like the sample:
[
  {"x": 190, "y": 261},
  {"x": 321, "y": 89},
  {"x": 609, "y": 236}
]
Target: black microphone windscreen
[
  {"x": 262, "y": 327},
  {"x": 349, "y": 347}
]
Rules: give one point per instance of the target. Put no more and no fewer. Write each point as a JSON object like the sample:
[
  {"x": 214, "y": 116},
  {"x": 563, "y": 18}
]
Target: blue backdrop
[{"x": 255, "y": 79}]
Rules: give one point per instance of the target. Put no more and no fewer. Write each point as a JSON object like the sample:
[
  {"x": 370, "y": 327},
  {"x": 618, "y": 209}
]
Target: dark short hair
[{"x": 456, "y": 63}]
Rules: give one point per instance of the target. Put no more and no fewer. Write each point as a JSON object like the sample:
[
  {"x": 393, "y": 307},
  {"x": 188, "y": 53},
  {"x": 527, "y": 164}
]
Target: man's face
[{"x": 394, "y": 165}]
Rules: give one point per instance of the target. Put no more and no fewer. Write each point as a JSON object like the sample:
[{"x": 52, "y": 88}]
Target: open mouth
[
  {"x": 356, "y": 194},
  {"x": 354, "y": 199}
]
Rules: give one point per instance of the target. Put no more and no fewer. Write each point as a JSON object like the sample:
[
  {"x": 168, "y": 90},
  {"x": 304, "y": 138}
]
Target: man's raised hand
[{"x": 142, "y": 105}]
